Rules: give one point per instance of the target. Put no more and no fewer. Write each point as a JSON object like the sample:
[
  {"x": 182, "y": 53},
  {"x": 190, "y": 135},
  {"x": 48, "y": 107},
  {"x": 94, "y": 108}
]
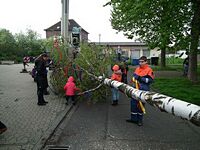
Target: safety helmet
[{"x": 115, "y": 67}]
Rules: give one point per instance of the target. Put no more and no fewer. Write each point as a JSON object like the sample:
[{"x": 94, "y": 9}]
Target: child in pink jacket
[{"x": 70, "y": 89}]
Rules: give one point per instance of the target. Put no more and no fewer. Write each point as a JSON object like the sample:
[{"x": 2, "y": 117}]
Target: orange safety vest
[
  {"x": 117, "y": 77},
  {"x": 144, "y": 71}
]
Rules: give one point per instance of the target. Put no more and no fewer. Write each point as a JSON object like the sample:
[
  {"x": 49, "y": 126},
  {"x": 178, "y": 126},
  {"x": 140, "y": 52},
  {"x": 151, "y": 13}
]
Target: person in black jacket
[
  {"x": 185, "y": 66},
  {"x": 124, "y": 69},
  {"x": 40, "y": 65}
]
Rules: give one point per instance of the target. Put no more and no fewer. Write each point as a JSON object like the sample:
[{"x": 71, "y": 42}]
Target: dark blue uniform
[{"x": 144, "y": 75}]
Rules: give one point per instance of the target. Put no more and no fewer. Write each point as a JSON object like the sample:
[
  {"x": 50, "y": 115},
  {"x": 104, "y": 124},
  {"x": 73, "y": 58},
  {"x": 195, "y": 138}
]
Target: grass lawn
[
  {"x": 168, "y": 67},
  {"x": 174, "y": 68},
  {"x": 179, "y": 88}
]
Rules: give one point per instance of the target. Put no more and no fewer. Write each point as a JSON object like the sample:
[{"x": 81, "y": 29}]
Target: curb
[
  {"x": 53, "y": 139},
  {"x": 41, "y": 143}
]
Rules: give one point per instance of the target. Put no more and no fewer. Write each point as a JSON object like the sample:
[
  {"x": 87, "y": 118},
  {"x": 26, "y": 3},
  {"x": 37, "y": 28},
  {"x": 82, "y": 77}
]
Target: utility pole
[
  {"x": 64, "y": 20},
  {"x": 99, "y": 38}
]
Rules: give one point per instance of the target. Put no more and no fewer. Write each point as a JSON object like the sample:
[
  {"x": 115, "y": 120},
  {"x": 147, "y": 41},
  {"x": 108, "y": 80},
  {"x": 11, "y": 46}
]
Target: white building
[{"x": 133, "y": 50}]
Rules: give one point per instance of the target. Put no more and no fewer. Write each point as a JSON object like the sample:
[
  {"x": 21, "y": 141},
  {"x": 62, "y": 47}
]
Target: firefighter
[
  {"x": 143, "y": 77},
  {"x": 117, "y": 75}
]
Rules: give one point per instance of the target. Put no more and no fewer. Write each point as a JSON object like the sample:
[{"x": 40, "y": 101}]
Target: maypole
[
  {"x": 165, "y": 103},
  {"x": 176, "y": 107}
]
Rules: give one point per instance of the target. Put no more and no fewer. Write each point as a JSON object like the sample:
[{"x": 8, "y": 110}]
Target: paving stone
[{"x": 26, "y": 121}]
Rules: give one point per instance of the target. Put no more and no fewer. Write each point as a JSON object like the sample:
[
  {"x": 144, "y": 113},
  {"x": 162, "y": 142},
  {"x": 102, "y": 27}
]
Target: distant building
[
  {"x": 55, "y": 30},
  {"x": 133, "y": 50}
]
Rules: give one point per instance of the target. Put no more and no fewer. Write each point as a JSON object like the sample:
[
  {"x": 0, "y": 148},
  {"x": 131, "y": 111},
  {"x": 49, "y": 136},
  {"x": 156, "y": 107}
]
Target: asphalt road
[{"x": 103, "y": 127}]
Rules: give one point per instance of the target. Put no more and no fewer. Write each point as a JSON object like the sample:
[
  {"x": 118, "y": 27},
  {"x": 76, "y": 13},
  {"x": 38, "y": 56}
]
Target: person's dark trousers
[
  {"x": 72, "y": 99},
  {"x": 46, "y": 82},
  {"x": 119, "y": 56},
  {"x": 185, "y": 70},
  {"x": 40, "y": 90},
  {"x": 45, "y": 92},
  {"x": 24, "y": 65},
  {"x": 46, "y": 85},
  {"x": 136, "y": 113}
]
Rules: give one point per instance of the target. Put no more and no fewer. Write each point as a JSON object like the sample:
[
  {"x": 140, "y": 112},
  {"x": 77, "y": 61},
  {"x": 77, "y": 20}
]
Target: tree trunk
[
  {"x": 163, "y": 59},
  {"x": 195, "y": 32}
]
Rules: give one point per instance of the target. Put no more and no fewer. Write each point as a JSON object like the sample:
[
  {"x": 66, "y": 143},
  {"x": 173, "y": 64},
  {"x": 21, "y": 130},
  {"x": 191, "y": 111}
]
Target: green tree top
[{"x": 160, "y": 23}]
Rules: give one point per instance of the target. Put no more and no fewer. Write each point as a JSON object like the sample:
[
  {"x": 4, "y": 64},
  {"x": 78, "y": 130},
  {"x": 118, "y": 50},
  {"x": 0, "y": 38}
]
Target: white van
[{"x": 182, "y": 54}]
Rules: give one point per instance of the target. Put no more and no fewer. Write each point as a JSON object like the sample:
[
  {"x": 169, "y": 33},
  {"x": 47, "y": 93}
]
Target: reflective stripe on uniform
[
  {"x": 134, "y": 113},
  {"x": 147, "y": 80}
]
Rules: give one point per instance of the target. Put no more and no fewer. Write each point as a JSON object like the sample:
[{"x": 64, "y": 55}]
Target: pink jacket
[{"x": 70, "y": 87}]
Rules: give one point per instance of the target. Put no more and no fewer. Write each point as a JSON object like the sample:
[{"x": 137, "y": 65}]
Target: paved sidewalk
[{"x": 29, "y": 125}]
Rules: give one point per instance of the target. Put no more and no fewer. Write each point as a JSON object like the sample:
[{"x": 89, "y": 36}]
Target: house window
[
  {"x": 135, "y": 54},
  {"x": 125, "y": 53},
  {"x": 146, "y": 53}
]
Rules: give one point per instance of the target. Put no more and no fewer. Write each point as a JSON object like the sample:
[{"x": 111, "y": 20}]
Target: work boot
[
  {"x": 113, "y": 103},
  {"x": 44, "y": 101},
  {"x": 131, "y": 121},
  {"x": 41, "y": 104},
  {"x": 73, "y": 102},
  {"x": 116, "y": 102}
]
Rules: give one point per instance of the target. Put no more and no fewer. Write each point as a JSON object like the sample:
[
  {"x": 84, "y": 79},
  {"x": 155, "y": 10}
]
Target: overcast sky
[{"x": 18, "y": 15}]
